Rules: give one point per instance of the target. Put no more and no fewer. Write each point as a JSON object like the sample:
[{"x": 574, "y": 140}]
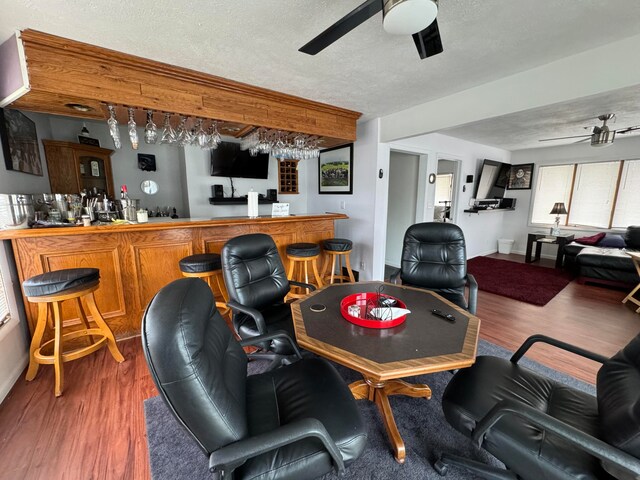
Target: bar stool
[
  {"x": 207, "y": 266},
  {"x": 335, "y": 249},
  {"x": 49, "y": 290},
  {"x": 300, "y": 255}
]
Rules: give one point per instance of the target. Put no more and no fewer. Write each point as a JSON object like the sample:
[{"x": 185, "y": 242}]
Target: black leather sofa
[{"x": 604, "y": 265}]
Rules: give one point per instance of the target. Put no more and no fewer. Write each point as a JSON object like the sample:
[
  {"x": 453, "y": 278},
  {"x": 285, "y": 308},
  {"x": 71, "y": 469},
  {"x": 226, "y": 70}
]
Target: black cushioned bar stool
[
  {"x": 207, "y": 266},
  {"x": 50, "y": 290},
  {"x": 300, "y": 255},
  {"x": 335, "y": 249}
]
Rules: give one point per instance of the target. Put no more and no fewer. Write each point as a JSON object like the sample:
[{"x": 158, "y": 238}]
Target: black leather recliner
[
  {"x": 434, "y": 257},
  {"x": 540, "y": 428},
  {"x": 297, "y": 422},
  {"x": 257, "y": 285}
]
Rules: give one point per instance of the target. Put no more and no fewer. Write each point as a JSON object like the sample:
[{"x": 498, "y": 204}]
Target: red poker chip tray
[{"x": 362, "y": 299}]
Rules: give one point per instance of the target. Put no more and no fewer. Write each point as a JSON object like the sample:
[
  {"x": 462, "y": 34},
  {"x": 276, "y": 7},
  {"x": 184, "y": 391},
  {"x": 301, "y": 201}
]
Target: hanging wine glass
[
  {"x": 133, "y": 131},
  {"x": 201, "y": 136},
  {"x": 182, "y": 134},
  {"x": 168, "y": 133},
  {"x": 214, "y": 135},
  {"x": 113, "y": 127},
  {"x": 150, "y": 129}
]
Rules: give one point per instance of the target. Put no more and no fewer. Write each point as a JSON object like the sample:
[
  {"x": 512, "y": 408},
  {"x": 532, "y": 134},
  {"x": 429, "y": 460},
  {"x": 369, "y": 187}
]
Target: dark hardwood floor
[{"x": 96, "y": 429}]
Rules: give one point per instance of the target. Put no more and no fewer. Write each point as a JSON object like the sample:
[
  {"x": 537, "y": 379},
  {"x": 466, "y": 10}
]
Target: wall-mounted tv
[
  {"x": 229, "y": 161},
  {"x": 492, "y": 181}
]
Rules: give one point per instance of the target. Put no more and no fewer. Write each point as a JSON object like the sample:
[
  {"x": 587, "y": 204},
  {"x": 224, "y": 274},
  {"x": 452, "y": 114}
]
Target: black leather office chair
[
  {"x": 434, "y": 257},
  {"x": 296, "y": 422},
  {"x": 540, "y": 428},
  {"x": 257, "y": 284}
]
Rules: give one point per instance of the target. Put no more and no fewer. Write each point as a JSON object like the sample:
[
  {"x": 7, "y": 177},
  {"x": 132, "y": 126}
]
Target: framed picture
[
  {"x": 19, "y": 142},
  {"x": 520, "y": 177},
  {"x": 335, "y": 170}
]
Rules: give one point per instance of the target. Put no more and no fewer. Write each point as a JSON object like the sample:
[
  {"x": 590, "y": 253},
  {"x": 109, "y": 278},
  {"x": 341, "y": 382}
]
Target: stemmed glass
[
  {"x": 133, "y": 131},
  {"x": 214, "y": 136},
  {"x": 150, "y": 130},
  {"x": 113, "y": 127},
  {"x": 168, "y": 133},
  {"x": 183, "y": 136}
]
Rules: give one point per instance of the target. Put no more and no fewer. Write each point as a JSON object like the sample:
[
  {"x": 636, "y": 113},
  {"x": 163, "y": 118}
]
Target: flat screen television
[
  {"x": 229, "y": 161},
  {"x": 492, "y": 181}
]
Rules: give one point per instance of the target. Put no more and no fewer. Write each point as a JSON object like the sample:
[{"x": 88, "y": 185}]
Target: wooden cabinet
[
  {"x": 74, "y": 167},
  {"x": 288, "y": 176}
]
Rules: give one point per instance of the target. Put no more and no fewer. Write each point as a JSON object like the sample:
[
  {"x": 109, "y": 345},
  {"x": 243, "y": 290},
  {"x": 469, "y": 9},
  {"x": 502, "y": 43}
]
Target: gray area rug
[{"x": 175, "y": 455}]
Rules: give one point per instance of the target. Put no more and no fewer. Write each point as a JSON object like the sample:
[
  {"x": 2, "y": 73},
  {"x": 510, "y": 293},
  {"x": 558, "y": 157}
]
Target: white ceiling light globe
[{"x": 406, "y": 17}]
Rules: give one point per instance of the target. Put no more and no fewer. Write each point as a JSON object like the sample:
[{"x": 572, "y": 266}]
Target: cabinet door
[
  {"x": 62, "y": 169},
  {"x": 93, "y": 174}
]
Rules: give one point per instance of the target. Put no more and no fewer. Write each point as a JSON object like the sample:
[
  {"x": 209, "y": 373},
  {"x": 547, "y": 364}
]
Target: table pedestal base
[{"x": 379, "y": 392}]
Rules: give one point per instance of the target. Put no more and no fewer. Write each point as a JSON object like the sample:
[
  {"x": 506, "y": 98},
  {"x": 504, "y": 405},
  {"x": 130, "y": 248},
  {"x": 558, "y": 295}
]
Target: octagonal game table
[{"x": 424, "y": 343}]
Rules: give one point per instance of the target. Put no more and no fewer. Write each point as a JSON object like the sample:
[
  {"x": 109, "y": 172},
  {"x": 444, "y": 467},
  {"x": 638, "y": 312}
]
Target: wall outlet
[
  {"x": 362, "y": 266},
  {"x": 343, "y": 205}
]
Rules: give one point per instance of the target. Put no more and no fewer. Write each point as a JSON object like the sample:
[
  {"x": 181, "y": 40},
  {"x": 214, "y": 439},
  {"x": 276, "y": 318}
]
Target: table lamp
[{"x": 558, "y": 209}]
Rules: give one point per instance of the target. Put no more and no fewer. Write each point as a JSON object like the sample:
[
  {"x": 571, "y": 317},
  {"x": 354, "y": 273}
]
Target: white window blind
[
  {"x": 628, "y": 203},
  {"x": 593, "y": 194},
  {"x": 4, "y": 304},
  {"x": 554, "y": 185}
]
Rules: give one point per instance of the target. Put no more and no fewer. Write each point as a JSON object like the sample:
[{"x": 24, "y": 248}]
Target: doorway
[
  {"x": 443, "y": 204},
  {"x": 404, "y": 177}
]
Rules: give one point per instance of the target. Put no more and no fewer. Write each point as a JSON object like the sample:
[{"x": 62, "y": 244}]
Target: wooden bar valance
[{"x": 63, "y": 71}]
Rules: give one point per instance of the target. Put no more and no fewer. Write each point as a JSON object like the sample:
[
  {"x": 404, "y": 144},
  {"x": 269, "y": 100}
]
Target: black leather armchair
[
  {"x": 540, "y": 428},
  {"x": 296, "y": 422},
  {"x": 257, "y": 285},
  {"x": 434, "y": 257}
]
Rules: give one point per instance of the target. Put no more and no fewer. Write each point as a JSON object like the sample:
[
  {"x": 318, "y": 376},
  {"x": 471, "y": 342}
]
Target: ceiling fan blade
[
  {"x": 562, "y": 138},
  {"x": 629, "y": 129},
  {"x": 428, "y": 41},
  {"x": 343, "y": 26}
]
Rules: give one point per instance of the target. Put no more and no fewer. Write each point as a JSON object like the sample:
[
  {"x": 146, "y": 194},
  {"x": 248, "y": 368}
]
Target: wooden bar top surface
[{"x": 163, "y": 223}]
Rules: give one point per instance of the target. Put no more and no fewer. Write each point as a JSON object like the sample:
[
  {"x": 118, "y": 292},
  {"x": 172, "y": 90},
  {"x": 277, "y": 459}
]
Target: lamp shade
[
  {"x": 406, "y": 17},
  {"x": 558, "y": 209}
]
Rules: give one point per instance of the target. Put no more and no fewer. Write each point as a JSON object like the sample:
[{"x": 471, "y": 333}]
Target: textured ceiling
[{"x": 256, "y": 41}]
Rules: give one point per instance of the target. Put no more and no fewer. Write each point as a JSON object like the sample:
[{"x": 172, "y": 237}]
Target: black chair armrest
[
  {"x": 302, "y": 284},
  {"x": 270, "y": 336},
  {"x": 395, "y": 276},
  {"x": 252, "y": 312},
  {"x": 230, "y": 457},
  {"x": 556, "y": 343},
  {"x": 580, "y": 439},
  {"x": 473, "y": 294}
]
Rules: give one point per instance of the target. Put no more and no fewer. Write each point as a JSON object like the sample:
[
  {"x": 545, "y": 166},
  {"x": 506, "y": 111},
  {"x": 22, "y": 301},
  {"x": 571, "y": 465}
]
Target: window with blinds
[
  {"x": 4, "y": 304},
  {"x": 599, "y": 194}
]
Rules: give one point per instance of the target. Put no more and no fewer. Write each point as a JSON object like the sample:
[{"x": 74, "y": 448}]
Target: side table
[
  {"x": 539, "y": 238},
  {"x": 631, "y": 298}
]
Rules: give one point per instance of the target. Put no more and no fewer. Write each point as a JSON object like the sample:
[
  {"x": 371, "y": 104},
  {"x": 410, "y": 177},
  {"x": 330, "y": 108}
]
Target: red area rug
[{"x": 520, "y": 281}]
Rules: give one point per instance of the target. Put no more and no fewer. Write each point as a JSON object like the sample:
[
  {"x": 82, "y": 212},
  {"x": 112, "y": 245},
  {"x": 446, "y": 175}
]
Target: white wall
[
  {"x": 124, "y": 162},
  {"x": 481, "y": 230},
  {"x": 403, "y": 194},
  {"x": 199, "y": 182},
  {"x": 516, "y": 225}
]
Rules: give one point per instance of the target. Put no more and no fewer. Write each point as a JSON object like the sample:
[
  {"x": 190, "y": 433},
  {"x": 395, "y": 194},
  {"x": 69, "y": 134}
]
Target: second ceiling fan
[
  {"x": 400, "y": 17},
  {"x": 600, "y": 136}
]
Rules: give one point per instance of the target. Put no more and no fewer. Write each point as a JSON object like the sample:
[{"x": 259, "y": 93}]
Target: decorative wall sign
[
  {"x": 88, "y": 141},
  {"x": 520, "y": 177},
  {"x": 335, "y": 170},
  {"x": 19, "y": 142},
  {"x": 147, "y": 162}
]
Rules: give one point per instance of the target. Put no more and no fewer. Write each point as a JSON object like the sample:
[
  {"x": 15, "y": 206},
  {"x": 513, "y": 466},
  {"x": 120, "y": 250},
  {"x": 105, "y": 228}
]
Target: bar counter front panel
[{"x": 136, "y": 261}]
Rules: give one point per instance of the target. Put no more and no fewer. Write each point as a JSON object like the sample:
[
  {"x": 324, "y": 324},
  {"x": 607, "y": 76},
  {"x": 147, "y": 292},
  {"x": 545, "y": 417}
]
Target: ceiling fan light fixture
[
  {"x": 604, "y": 138},
  {"x": 406, "y": 17}
]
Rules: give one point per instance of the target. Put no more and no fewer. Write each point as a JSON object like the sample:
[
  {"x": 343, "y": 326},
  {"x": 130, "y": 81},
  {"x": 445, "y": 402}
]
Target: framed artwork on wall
[
  {"x": 520, "y": 177},
  {"x": 19, "y": 142},
  {"x": 335, "y": 170}
]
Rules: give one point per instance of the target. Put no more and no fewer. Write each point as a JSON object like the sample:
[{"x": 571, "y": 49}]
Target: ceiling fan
[
  {"x": 600, "y": 136},
  {"x": 399, "y": 17}
]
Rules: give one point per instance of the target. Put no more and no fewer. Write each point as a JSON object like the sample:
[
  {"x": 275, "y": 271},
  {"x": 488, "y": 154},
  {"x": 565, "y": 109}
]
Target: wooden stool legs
[
  {"x": 299, "y": 270},
  {"x": 330, "y": 261},
  {"x": 100, "y": 335}
]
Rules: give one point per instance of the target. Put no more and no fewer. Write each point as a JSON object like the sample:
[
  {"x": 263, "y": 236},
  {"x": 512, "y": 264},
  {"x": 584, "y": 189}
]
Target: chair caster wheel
[{"x": 440, "y": 467}]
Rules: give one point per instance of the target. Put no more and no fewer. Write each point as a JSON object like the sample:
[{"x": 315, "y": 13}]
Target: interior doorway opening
[{"x": 444, "y": 198}]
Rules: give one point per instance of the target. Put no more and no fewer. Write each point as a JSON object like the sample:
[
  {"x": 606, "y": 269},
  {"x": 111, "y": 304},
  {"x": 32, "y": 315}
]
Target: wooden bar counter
[{"x": 136, "y": 260}]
